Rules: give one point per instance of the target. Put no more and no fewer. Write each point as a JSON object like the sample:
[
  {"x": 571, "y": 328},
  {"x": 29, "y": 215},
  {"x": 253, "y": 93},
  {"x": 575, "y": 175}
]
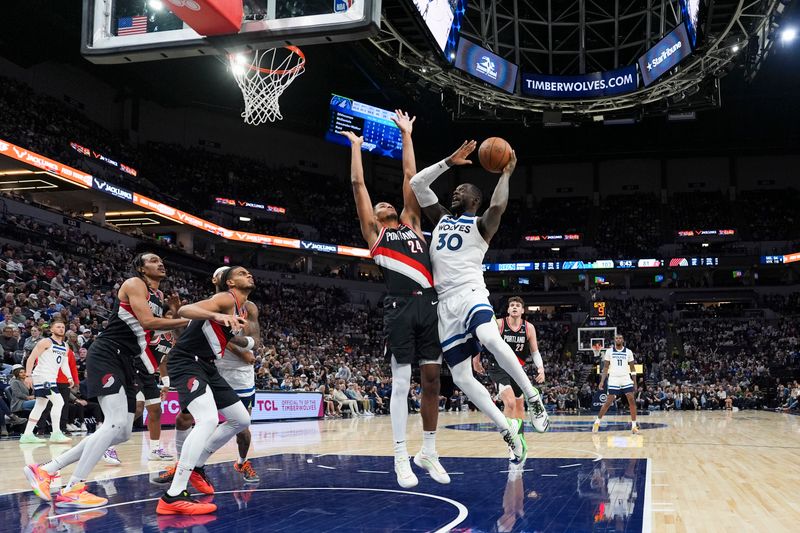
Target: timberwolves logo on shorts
[
  {"x": 108, "y": 380},
  {"x": 192, "y": 384}
]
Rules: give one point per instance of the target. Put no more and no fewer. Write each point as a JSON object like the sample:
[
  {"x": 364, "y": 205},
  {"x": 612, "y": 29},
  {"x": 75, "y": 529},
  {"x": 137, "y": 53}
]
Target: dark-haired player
[
  {"x": 466, "y": 318},
  {"x": 201, "y": 390},
  {"x": 400, "y": 250},
  {"x": 110, "y": 378},
  {"x": 520, "y": 335},
  {"x": 620, "y": 369}
]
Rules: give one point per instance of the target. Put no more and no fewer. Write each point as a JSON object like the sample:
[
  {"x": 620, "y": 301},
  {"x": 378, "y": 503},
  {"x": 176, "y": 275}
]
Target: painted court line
[
  {"x": 549, "y": 475},
  {"x": 569, "y": 466},
  {"x": 326, "y": 467},
  {"x": 373, "y": 471}
]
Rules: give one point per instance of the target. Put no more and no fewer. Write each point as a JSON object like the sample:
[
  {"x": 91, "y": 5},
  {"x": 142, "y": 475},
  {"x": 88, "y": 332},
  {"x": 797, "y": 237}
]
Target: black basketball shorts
[
  {"x": 147, "y": 385},
  {"x": 501, "y": 378},
  {"x": 410, "y": 326},
  {"x": 190, "y": 376},
  {"x": 108, "y": 369}
]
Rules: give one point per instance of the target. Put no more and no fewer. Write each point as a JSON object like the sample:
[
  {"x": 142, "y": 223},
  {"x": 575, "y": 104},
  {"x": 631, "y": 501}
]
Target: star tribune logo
[
  {"x": 192, "y": 384},
  {"x": 107, "y": 380}
]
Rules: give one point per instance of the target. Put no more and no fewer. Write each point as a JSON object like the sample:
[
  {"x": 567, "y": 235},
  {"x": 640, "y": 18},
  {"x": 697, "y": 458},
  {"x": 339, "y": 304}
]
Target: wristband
[
  {"x": 250, "y": 343},
  {"x": 165, "y": 382}
]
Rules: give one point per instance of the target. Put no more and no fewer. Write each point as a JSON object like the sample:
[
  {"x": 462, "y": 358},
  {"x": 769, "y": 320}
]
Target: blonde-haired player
[
  {"x": 49, "y": 355},
  {"x": 620, "y": 370}
]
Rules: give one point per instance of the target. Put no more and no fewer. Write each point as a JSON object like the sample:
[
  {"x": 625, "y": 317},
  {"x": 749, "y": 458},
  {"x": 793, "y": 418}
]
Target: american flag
[{"x": 131, "y": 25}]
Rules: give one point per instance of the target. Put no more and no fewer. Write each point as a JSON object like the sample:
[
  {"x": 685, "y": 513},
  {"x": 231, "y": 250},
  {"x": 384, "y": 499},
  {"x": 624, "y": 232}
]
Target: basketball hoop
[{"x": 262, "y": 76}]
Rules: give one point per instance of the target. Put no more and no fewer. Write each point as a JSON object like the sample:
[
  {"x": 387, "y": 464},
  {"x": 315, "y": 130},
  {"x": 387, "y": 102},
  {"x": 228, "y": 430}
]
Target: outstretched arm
[
  {"x": 490, "y": 221},
  {"x": 366, "y": 215},
  {"x": 411, "y": 213},
  {"x": 421, "y": 183},
  {"x": 534, "y": 346}
]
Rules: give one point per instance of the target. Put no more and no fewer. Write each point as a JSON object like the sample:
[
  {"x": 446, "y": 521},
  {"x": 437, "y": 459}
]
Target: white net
[{"x": 262, "y": 76}]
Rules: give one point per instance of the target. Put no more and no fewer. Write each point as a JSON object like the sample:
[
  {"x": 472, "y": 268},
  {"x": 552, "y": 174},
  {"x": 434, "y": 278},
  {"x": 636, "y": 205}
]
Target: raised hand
[
  {"x": 460, "y": 156},
  {"x": 355, "y": 140},
  {"x": 236, "y": 323},
  {"x": 511, "y": 165},
  {"x": 403, "y": 121}
]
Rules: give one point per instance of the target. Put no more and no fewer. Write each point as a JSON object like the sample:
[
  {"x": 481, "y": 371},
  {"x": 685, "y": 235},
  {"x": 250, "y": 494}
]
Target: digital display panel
[
  {"x": 665, "y": 55},
  {"x": 381, "y": 134},
  {"x": 443, "y": 20},
  {"x": 486, "y": 66}
]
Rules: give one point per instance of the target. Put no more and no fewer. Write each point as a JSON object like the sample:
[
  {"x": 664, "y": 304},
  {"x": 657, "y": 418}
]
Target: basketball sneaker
[
  {"x": 405, "y": 476},
  {"x": 166, "y": 476},
  {"x": 160, "y": 454},
  {"x": 59, "y": 437},
  {"x": 516, "y": 443},
  {"x": 40, "y": 481},
  {"x": 200, "y": 481},
  {"x": 596, "y": 425},
  {"x": 247, "y": 471},
  {"x": 183, "y": 522},
  {"x": 537, "y": 413},
  {"x": 30, "y": 438},
  {"x": 183, "y": 504},
  {"x": 110, "y": 456},
  {"x": 634, "y": 427},
  {"x": 77, "y": 497},
  {"x": 430, "y": 462}
]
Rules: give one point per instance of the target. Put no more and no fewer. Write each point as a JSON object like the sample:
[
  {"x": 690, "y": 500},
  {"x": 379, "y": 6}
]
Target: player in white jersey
[
  {"x": 466, "y": 318},
  {"x": 50, "y": 356},
  {"x": 620, "y": 370},
  {"x": 237, "y": 367}
]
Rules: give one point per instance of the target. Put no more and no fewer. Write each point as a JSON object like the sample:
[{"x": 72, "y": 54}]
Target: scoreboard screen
[
  {"x": 598, "y": 317},
  {"x": 381, "y": 134}
]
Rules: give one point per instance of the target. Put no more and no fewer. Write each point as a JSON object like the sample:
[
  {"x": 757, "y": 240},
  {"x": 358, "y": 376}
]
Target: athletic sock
[
  {"x": 154, "y": 445},
  {"x": 242, "y": 460},
  {"x": 429, "y": 442},
  {"x": 180, "y": 480},
  {"x": 400, "y": 449}
]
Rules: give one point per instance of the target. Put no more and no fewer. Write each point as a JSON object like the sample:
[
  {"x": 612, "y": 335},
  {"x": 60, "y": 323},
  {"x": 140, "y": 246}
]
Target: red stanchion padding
[{"x": 209, "y": 17}]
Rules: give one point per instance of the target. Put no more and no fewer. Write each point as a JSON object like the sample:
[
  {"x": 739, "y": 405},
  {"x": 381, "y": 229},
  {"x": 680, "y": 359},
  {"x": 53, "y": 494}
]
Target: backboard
[
  {"x": 123, "y": 31},
  {"x": 587, "y": 337}
]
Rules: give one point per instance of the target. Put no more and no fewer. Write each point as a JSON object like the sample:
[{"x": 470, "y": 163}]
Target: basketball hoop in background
[
  {"x": 597, "y": 349},
  {"x": 263, "y": 75}
]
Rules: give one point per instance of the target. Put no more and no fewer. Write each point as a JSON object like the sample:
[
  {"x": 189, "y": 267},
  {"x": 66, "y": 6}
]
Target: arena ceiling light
[{"x": 788, "y": 35}]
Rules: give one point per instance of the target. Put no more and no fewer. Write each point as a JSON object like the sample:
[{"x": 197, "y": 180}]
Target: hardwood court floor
[{"x": 707, "y": 471}]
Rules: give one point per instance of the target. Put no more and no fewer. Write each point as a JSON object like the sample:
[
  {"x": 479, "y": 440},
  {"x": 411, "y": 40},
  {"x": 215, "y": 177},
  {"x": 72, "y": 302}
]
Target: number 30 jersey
[
  {"x": 457, "y": 250},
  {"x": 403, "y": 258}
]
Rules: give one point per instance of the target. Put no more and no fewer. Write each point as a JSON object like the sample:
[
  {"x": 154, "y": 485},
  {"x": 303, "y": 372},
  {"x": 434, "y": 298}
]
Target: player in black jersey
[
  {"x": 410, "y": 322},
  {"x": 201, "y": 390},
  {"x": 110, "y": 378},
  {"x": 521, "y": 336}
]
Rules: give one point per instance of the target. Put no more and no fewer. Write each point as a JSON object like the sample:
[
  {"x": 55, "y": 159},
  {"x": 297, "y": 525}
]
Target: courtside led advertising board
[
  {"x": 593, "y": 85},
  {"x": 485, "y": 65},
  {"x": 381, "y": 134},
  {"x": 665, "y": 55}
]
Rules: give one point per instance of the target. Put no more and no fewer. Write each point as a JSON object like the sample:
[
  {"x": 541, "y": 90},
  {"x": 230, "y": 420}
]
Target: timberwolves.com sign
[{"x": 593, "y": 85}]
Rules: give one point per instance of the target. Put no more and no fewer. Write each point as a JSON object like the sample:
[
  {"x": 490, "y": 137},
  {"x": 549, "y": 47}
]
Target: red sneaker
[
  {"x": 183, "y": 504},
  {"x": 200, "y": 481}
]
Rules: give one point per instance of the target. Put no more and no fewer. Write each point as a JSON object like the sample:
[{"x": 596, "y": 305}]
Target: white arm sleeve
[
  {"x": 537, "y": 360},
  {"x": 421, "y": 183}
]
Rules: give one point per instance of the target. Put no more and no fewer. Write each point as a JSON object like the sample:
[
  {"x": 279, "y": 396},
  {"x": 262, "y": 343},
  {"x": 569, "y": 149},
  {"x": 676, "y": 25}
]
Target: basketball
[{"x": 494, "y": 154}]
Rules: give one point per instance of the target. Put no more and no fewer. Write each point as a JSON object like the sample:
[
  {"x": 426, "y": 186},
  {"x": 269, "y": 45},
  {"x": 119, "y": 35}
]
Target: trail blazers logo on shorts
[
  {"x": 108, "y": 380},
  {"x": 192, "y": 384}
]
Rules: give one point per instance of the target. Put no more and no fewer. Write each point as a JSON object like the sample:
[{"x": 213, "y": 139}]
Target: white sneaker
[
  {"x": 110, "y": 456},
  {"x": 596, "y": 425},
  {"x": 405, "y": 476},
  {"x": 72, "y": 428},
  {"x": 634, "y": 428},
  {"x": 433, "y": 466},
  {"x": 516, "y": 443},
  {"x": 83, "y": 427},
  {"x": 160, "y": 454},
  {"x": 538, "y": 414}
]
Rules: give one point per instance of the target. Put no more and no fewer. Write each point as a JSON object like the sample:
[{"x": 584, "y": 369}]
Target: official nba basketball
[{"x": 494, "y": 154}]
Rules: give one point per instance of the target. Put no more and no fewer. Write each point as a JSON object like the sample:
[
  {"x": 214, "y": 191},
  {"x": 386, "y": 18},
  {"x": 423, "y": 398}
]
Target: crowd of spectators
[{"x": 629, "y": 226}]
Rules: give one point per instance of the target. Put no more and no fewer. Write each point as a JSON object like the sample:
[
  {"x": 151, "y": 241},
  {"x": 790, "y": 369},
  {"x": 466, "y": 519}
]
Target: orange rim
[{"x": 281, "y": 72}]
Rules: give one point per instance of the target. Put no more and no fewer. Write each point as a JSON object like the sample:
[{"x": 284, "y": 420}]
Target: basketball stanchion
[{"x": 262, "y": 76}]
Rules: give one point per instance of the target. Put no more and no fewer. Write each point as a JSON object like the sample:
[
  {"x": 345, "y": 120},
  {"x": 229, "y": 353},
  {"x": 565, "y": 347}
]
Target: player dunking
[
  {"x": 110, "y": 378},
  {"x": 49, "y": 356},
  {"x": 620, "y": 369},
  {"x": 237, "y": 368},
  {"x": 520, "y": 335},
  {"x": 401, "y": 252},
  {"x": 466, "y": 318},
  {"x": 201, "y": 390}
]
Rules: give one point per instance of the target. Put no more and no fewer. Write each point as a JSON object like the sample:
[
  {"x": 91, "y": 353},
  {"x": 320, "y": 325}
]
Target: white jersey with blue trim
[
  {"x": 619, "y": 360},
  {"x": 50, "y": 361},
  {"x": 457, "y": 250}
]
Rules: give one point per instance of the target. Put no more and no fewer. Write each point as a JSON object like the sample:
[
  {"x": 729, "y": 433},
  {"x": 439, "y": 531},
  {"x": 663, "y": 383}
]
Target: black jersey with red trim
[
  {"x": 403, "y": 258},
  {"x": 161, "y": 344},
  {"x": 206, "y": 339},
  {"x": 518, "y": 340},
  {"x": 125, "y": 330}
]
